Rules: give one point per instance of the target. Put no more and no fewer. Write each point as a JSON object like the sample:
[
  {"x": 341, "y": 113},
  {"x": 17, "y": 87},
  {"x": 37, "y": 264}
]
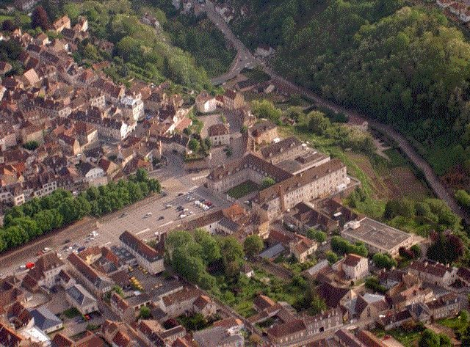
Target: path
[{"x": 249, "y": 59}]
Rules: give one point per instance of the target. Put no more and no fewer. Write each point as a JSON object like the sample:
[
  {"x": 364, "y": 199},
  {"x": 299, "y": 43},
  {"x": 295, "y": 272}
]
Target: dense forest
[{"x": 408, "y": 66}]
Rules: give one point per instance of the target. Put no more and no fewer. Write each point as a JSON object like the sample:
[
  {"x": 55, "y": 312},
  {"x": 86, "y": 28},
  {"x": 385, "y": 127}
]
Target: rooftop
[{"x": 376, "y": 234}]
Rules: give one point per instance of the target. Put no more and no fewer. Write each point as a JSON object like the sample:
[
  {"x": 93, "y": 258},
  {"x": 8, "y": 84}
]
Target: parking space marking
[
  {"x": 168, "y": 223},
  {"x": 143, "y": 231}
]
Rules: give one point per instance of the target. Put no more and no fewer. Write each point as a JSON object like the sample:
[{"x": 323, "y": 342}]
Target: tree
[
  {"x": 267, "y": 182},
  {"x": 416, "y": 251},
  {"x": 175, "y": 240},
  {"x": 318, "y": 123},
  {"x": 31, "y": 145},
  {"x": 8, "y": 25},
  {"x": 232, "y": 255},
  {"x": 40, "y": 19},
  {"x": 266, "y": 109},
  {"x": 384, "y": 261},
  {"x": 145, "y": 312},
  {"x": 194, "y": 145},
  {"x": 210, "y": 247},
  {"x": 252, "y": 245},
  {"x": 463, "y": 197},
  {"x": 429, "y": 339},
  {"x": 331, "y": 257},
  {"x": 316, "y": 235}
]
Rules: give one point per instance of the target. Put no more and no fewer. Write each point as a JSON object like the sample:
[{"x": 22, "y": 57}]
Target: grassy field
[
  {"x": 243, "y": 189},
  {"x": 407, "y": 339},
  {"x": 25, "y": 20}
]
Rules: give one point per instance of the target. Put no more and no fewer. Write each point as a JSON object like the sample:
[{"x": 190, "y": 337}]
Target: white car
[{"x": 182, "y": 216}]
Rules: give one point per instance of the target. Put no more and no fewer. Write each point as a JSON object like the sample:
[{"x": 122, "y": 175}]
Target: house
[
  {"x": 355, "y": 267},
  {"x": 264, "y": 132},
  {"x": 219, "y": 134},
  {"x": 98, "y": 284},
  {"x": 233, "y": 100},
  {"x": 155, "y": 335},
  {"x": 446, "y": 306},
  {"x": 146, "y": 256},
  {"x": 89, "y": 340},
  {"x": 44, "y": 273},
  {"x": 61, "y": 24},
  {"x": 247, "y": 270},
  {"x": 205, "y": 102},
  {"x": 9, "y": 337},
  {"x": 394, "y": 319},
  {"x": 302, "y": 248},
  {"x": 434, "y": 273},
  {"x": 92, "y": 174},
  {"x": 121, "y": 307},
  {"x": 179, "y": 302},
  {"x": 45, "y": 320},
  {"x": 81, "y": 299},
  {"x": 205, "y": 306},
  {"x": 366, "y": 306}
]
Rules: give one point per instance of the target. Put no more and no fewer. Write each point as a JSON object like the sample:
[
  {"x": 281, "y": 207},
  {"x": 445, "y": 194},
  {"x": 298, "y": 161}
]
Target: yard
[
  {"x": 243, "y": 189},
  {"x": 407, "y": 339},
  {"x": 240, "y": 295}
]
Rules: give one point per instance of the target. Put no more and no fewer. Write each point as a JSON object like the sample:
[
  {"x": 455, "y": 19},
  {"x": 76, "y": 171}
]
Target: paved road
[{"x": 402, "y": 142}]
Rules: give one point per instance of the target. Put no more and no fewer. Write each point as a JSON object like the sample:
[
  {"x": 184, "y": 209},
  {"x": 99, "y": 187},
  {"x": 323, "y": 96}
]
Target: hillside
[{"x": 403, "y": 65}]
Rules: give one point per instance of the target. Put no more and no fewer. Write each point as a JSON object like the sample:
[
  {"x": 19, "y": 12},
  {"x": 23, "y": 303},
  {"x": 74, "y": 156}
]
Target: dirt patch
[{"x": 406, "y": 184}]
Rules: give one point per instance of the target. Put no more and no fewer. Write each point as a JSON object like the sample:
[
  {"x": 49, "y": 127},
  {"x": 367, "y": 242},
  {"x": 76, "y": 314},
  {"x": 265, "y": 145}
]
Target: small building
[
  {"x": 45, "y": 320},
  {"x": 205, "y": 102},
  {"x": 434, "y": 273},
  {"x": 219, "y": 134},
  {"x": 302, "y": 248},
  {"x": 81, "y": 299},
  {"x": 264, "y": 51},
  {"x": 355, "y": 267},
  {"x": 233, "y": 100},
  {"x": 264, "y": 132}
]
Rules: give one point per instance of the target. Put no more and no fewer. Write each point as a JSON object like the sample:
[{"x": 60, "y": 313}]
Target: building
[
  {"x": 146, "y": 256},
  {"x": 205, "y": 102},
  {"x": 263, "y": 132},
  {"x": 81, "y": 299},
  {"x": 98, "y": 284},
  {"x": 44, "y": 273},
  {"x": 132, "y": 108},
  {"x": 446, "y": 306},
  {"x": 45, "y": 320},
  {"x": 434, "y": 273},
  {"x": 355, "y": 267},
  {"x": 347, "y": 339},
  {"x": 219, "y": 134},
  {"x": 233, "y": 100},
  {"x": 302, "y": 248},
  {"x": 378, "y": 237}
]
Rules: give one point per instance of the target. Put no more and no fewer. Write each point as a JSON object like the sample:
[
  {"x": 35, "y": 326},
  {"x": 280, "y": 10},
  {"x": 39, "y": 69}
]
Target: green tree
[
  {"x": 145, "y": 312},
  {"x": 267, "y": 182},
  {"x": 252, "y": 245},
  {"x": 232, "y": 255},
  {"x": 266, "y": 109},
  {"x": 318, "y": 123},
  {"x": 194, "y": 145},
  {"x": 429, "y": 339},
  {"x": 210, "y": 247},
  {"x": 316, "y": 235},
  {"x": 463, "y": 197},
  {"x": 384, "y": 261},
  {"x": 331, "y": 257}
]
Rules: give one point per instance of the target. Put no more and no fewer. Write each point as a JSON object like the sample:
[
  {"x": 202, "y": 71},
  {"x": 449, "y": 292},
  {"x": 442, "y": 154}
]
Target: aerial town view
[{"x": 228, "y": 173}]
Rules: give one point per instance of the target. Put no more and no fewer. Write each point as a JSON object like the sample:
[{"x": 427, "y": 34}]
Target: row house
[
  {"x": 448, "y": 305},
  {"x": 155, "y": 335},
  {"x": 98, "y": 284},
  {"x": 126, "y": 311},
  {"x": 132, "y": 108},
  {"x": 434, "y": 273}
]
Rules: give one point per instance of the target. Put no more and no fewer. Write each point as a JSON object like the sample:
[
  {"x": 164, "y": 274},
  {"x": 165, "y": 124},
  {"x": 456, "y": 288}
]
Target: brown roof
[
  {"x": 202, "y": 301},
  {"x": 8, "y": 337},
  {"x": 60, "y": 340},
  {"x": 438, "y": 270},
  {"x": 218, "y": 129},
  {"x": 279, "y": 147},
  {"x": 180, "y": 296},
  {"x": 352, "y": 260},
  {"x": 139, "y": 246},
  {"x": 262, "y": 302},
  {"x": 286, "y": 329},
  {"x": 331, "y": 294}
]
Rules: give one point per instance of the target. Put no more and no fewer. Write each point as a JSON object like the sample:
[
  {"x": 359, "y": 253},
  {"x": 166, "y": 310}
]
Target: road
[{"x": 250, "y": 60}]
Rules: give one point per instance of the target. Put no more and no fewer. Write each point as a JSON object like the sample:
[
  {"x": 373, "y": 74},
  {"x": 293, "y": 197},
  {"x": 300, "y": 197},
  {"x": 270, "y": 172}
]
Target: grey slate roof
[
  {"x": 44, "y": 319},
  {"x": 80, "y": 295}
]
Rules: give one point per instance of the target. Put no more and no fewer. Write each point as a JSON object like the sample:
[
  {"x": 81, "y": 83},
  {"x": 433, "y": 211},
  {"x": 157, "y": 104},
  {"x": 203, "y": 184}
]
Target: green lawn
[
  {"x": 396, "y": 158},
  {"x": 243, "y": 189},
  {"x": 25, "y": 20}
]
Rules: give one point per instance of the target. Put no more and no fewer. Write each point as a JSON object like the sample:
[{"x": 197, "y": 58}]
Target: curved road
[{"x": 245, "y": 58}]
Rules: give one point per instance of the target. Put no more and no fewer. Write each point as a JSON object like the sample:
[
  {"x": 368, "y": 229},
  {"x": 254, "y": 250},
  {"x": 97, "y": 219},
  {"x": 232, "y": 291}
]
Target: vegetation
[
  {"x": 384, "y": 261},
  {"x": 342, "y": 246},
  {"x": 431, "y": 339},
  {"x": 267, "y": 182},
  {"x": 71, "y": 313},
  {"x": 252, "y": 245},
  {"x": 141, "y": 51},
  {"x": 31, "y": 145},
  {"x": 144, "y": 312},
  {"x": 373, "y": 284},
  {"x": 316, "y": 235},
  {"x": 362, "y": 54},
  {"x": 39, "y": 216},
  {"x": 203, "y": 40},
  {"x": 463, "y": 198},
  {"x": 243, "y": 189}
]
